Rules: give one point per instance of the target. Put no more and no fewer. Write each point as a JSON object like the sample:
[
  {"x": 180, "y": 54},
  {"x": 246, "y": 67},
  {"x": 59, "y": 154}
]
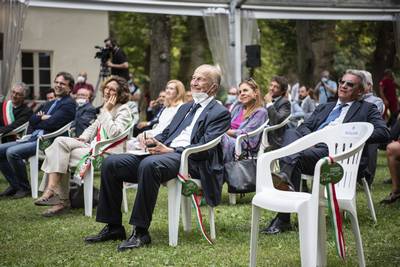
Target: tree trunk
[
  {"x": 160, "y": 57},
  {"x": 385, "y": 52},
  {"x": 323, "y": 46},
  {"x": 305, "y": 55},
  {"x": 193, "y": 49}
]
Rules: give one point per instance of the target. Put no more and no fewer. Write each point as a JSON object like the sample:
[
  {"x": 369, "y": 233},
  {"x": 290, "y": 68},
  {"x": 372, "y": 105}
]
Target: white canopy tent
[{"x": 233, "y": 10}]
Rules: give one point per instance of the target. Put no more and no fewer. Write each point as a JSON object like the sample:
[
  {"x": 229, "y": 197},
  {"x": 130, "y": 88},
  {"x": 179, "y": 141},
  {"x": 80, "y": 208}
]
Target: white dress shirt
[{"x": 183, "y": 139}]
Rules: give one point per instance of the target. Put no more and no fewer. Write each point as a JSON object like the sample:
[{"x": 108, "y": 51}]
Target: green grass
[{"x": 28, "y": 239}]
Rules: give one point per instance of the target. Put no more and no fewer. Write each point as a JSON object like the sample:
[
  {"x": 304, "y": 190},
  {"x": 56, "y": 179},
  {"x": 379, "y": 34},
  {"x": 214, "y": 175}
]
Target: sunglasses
[{"x": 346, "y": 83}]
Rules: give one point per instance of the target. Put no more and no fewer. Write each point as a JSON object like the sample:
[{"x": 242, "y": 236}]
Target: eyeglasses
[{"x": 346, "y": 83}]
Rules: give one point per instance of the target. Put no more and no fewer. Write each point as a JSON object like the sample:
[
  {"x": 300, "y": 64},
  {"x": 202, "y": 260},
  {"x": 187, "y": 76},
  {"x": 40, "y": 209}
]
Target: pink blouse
[{"x": 235, "y": 124}]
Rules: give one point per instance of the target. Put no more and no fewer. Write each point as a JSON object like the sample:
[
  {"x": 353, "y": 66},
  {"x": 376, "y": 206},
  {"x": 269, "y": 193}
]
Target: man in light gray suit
[{"x": 278, "y": 108}]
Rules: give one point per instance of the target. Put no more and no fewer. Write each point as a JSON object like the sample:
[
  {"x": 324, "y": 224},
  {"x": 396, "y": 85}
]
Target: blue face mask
[{"x": 231, "y": 99}]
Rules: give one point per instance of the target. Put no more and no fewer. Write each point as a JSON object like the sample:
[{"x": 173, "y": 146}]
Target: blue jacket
[{"x": 63, "y": 113}]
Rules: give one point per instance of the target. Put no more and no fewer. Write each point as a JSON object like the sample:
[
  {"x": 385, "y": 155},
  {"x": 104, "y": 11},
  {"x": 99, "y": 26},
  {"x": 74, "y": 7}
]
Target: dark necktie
[
  {"x": 184, "y": 123},
  {"x": 335, "y": 113}
]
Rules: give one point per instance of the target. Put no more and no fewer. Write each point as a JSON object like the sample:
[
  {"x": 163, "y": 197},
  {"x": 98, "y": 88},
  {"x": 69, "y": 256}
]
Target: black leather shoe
[
  {"x": 107, "y": 233},
  {"x": 10, "y": 191},
  {"x": 21, "y": 194},
  {"x": 276, "y": 226},
  {"x": 135, "y": 241}
]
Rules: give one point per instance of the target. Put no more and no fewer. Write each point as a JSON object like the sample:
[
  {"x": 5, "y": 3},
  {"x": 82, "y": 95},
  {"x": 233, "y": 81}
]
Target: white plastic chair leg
[
  {"x": 124, "y": 199},
  {"x": 255, "y": 224},
  {"x": 88, "y": 192},
  {"x": 370, "y": 203},
  {"x": 174, "y": 200},
  {"x": 34, "y": 165},
  {"x": 43, "y": 183},
  {"x": 357, "y": 236},
  {"x": 321, "y": 256},
  {"x": 308, "y": 236},
  {"x": 232, "y": 198},
  {"x": 186, "y": 213},
  {"x": 212, "y": 222}
]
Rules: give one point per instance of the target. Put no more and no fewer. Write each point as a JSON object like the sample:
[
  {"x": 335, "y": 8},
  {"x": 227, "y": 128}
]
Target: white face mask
[
  {"x": 231, "y": 99},
  {"x": 81, "y": 101},
  {"x": 80, "y": 79},
  {"x": 199, "y": 97}
]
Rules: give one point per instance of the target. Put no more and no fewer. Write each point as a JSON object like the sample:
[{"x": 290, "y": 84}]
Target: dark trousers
[
  {"x": 296, "y": 164},
  {"x": 12, "y": 165},
  {"x": 148, "y": 171}
]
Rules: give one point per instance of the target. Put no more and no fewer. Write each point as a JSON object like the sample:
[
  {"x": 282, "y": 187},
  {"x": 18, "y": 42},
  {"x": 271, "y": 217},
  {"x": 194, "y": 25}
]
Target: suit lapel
[{"x": 352, "y": 111}]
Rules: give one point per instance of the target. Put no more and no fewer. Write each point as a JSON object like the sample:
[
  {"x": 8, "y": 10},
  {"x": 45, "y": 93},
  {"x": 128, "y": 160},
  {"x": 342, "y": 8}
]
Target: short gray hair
[
  {"x": 360, "y": 74},
  {"x": 368, "y": 76},
  {"x": 23, "y": 86}
]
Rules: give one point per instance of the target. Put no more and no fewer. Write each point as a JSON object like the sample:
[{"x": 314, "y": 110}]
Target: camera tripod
[{"x": 103, "y": 74}]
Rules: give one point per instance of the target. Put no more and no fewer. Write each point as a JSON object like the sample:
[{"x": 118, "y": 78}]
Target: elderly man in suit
[
  {"x": 350, "y": 107},
  {"x": 52, "y": 116},
  {"x": 278, "y": 108},
  {"x": 195, "y": 123}
]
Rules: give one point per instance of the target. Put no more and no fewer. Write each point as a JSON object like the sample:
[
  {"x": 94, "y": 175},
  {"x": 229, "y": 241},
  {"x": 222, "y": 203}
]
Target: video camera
[{"x": 104, "y": 53}]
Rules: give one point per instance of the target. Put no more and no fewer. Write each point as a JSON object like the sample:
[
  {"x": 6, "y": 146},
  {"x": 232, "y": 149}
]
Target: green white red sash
[
  {"x": 85, "y": 162},
  {"x": 8, "y": 115},
  {"x": 190, "y": 188},
  {"x": 336, "y": 217}
]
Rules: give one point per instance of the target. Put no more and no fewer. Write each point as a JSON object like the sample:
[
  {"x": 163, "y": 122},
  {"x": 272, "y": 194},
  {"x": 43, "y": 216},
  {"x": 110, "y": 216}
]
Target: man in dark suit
[
  {"x": 349, "y": 108},
  {"x": 14, "y": 112},
  {"x": 85, "y": 112},
  {"x": 50, "y": 118},
  {"x": 278, "y": 108},
  {"x": 195, "y": 123}
]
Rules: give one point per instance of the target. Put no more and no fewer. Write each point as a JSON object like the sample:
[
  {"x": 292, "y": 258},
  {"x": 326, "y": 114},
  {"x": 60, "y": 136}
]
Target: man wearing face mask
[
  {"x": 81, "y": 82},
  {"x": 85, "y": 112},
  {"x": 118, "y": 61},
  {"x": 195, "y": 123},
  {"x": 326, "y": 89},
  {"x": 232, "y": 98}
]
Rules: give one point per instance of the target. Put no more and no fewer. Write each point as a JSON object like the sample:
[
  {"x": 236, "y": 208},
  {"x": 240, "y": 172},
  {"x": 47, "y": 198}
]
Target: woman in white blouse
[{"x": 174, "y": 98}]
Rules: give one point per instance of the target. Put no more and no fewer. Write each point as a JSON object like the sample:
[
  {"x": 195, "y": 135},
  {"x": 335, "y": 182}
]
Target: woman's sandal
[
  {"x": 58, "y": 209},
  {"x": 49, "y": 198},
  {"x": 391, "y": 198}
]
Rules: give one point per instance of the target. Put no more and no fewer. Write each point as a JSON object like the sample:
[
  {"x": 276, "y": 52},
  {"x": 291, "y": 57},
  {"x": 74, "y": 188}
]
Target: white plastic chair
[
  {"x": 34, "y": 160},
  {"x": 174, "y": 196},
  {"x": 345, "y": 147},
  {"x": 19, "y": 131},
  {"x": 89, "y": 176},
  {"x": 265, "y": 129}
]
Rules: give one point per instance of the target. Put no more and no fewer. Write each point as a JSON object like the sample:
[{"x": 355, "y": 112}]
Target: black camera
[{"x": 104, "y": 53}]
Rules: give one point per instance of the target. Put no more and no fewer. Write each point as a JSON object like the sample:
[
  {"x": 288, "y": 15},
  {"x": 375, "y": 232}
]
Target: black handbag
[
  {"x": 241, "y": 173},
  {"x": 76, "y": 196}
]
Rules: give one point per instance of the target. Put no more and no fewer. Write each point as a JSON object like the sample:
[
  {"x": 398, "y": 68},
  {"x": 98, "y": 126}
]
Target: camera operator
[
  {"x": 326, "y": 88},
  {"x": 118, "y": 61}
]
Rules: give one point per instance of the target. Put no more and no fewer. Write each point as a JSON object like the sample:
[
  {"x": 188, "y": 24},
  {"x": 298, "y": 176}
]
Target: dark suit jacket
[
  {"x": 212, "y": 122},
  {"x": 360, "y": 111},
  {"x": 63, "y": 113},
  {"x": 277, "y": 113},
  {"x": 21, "y": 115},
  {"x": 84, "y": 116}
]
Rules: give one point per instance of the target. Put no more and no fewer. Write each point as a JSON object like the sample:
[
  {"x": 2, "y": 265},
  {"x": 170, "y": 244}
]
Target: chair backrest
[
  {"x": 264, "y": 138},
  {"x": 341, "y": 141},
  {"x": 345, "y": 143},
  {"x": 240, "y": 138}
]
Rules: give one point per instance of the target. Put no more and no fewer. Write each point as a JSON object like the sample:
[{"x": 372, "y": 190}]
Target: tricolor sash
[{"x": 8, "y": 115}]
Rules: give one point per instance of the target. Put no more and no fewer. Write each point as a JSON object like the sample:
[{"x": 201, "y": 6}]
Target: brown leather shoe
[{"x": 280, "y": 182}]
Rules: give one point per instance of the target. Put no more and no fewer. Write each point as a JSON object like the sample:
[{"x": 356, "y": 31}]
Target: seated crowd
[{"x": 177, "y": 120}]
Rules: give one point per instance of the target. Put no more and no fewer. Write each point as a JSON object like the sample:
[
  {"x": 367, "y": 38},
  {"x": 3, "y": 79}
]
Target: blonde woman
[
  {"x": 115, "y": 116},
  {"x": 247, "y": 115}
]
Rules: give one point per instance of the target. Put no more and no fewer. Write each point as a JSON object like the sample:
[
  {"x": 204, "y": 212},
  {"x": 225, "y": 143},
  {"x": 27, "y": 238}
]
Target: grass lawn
[{"x": 28, "y": 239}]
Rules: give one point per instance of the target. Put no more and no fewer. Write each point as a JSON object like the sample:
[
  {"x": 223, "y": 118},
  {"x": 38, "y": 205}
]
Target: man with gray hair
[
  {"x": 350, "y": 107},
  {"x": 196, "y": 123},
  {"x": 14, "y": 112},
  {"x": 368, "y": 94}
]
